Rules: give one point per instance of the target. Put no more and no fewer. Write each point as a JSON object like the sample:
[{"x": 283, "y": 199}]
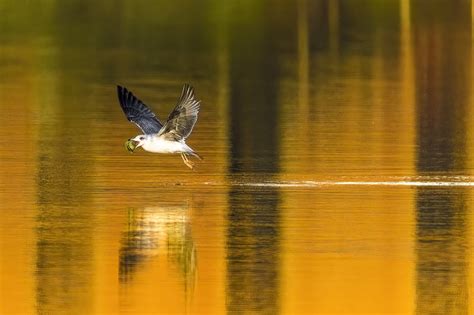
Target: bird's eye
[{"x": 142, "y": 138}]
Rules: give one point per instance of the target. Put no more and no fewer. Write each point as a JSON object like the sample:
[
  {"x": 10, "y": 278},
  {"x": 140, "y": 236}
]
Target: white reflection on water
[
  {"x": 158, "y": 230},
  {"x": 418, "y": 181},
  {"x": 305, "y": 184}
]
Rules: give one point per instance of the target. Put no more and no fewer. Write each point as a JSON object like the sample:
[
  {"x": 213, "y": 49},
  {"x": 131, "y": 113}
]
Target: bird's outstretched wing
[
  {"x": 181, "y": 121},
  {"x": 137, "y": 112}
]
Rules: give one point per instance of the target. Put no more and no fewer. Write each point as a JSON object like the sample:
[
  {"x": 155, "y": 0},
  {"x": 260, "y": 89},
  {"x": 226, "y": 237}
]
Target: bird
[{"x": 167, "y": 138}]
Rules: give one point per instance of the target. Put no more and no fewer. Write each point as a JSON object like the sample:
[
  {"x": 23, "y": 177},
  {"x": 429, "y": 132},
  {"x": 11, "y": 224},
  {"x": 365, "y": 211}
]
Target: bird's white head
[{"x": 139, "y": 140}]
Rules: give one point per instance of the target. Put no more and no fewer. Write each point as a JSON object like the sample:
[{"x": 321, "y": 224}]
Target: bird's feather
[
  {"x": 181, "y": 120},
  {"x": 137, "y": 112}
]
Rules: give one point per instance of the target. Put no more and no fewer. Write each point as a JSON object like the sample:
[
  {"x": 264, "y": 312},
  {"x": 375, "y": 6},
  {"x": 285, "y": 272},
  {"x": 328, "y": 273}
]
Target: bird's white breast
[{"x": 159, "y": 145}]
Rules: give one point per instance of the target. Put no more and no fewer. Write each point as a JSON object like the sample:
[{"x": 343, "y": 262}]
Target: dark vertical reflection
[
  {"x": 442, "y": 42},
  {"x": 64, "y": 232},
  {"x": 253, "y": 235},
  {"x": 442, "y": 251},
  {"x": 65, "y": 260},
  {"x": 254, "y": 74},
  {"x": 253, "y": 251},
  {"x": 442, "y": 59}
]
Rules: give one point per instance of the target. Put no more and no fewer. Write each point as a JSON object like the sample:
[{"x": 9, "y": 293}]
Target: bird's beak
[{"x": 138, "y": 144}]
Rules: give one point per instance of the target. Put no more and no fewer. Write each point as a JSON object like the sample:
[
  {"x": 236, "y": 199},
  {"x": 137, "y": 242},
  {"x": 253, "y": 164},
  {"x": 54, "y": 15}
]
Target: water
[{"x": 339, "y": 158}]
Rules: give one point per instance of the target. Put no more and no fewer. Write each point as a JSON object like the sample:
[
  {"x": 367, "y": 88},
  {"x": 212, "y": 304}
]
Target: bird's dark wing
[
  {"x": 137, "y": 112},
  {"x": 181, "y": 121}
]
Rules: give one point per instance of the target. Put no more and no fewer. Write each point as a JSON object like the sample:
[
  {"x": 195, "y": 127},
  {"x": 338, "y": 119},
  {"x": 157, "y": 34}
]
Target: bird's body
[
  {"x": 158, "y": 144},
  {"x": 168, "y": 138}
]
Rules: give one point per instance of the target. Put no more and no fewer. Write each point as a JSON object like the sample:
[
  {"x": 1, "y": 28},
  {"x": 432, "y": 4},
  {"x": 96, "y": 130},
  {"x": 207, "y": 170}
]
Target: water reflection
[
  {"x": 442, "y": 251},
  {"x": 63, "y": 260},
  {"x": 443, "y": 85},
  {"x": 442, "y": 41},
  {"x": 64, "y": 235},
  {"x": 254, "y": 128},
  {"x": 253, "y": 232},
  {"x": 154, "y": 231},
  {"x": 253, "y": 251}
]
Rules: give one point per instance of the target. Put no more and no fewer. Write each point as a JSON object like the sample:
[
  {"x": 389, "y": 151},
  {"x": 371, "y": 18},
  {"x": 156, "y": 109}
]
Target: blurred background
[{"x": 294, "y": 93}]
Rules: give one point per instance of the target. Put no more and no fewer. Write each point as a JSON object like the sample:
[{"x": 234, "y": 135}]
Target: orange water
[{"x": 338, "y": 172}]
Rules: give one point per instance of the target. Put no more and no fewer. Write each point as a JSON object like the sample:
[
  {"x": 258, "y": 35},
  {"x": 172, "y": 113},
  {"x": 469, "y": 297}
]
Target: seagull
[{"x": 168, "y": 138}]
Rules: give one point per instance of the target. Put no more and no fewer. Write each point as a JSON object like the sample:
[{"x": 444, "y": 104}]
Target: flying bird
[{"x": 165, "y": 138}]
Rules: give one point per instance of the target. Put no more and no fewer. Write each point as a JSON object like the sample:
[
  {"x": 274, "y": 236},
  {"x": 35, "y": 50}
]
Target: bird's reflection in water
[{"x": 155, "y": 231}]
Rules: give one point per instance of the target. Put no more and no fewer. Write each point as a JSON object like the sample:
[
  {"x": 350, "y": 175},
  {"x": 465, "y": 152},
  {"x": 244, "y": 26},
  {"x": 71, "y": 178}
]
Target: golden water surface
[{"x": 338, "y": 139}]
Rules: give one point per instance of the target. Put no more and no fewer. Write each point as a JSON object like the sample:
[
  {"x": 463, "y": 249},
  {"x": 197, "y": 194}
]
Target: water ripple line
[{"x": 305, "y": 184}]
